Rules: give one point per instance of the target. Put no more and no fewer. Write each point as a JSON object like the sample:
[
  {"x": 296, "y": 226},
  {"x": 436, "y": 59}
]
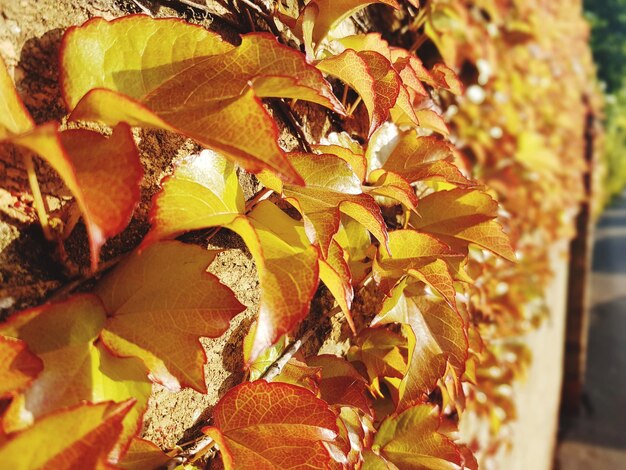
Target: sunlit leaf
[
  {"x": 324, "y": 15},
  {"x": 215, "y": 101},
  {"x": 102, "y": 173},
  {"x": 436, "y": 333},
  {"x": 335, "y": 274},
  {"x": 288, "y": 272},
  {"x": 14, "y": 118},
  {"x": 331, "y": 189},
  {"x": 160, "y": 302},
  {"x": 75, "y": 369},
  {"x": 382, "y": 352},
  {"x": 372, "y": 76},
  {"x": 19, "y": 366},
  {"x": 78, "y": 437},
  {"x": 418, "y": 255},
  {"x": 411, "y": 441},
  {"x": 469, "y": 218},
  {"x": 340, "y": 383},
  {"x": 418, "y": 158},
  {"x": 202, "y": 192},
  {"x": 143, "y": 455},
  {"x": 272, "y": 425}
]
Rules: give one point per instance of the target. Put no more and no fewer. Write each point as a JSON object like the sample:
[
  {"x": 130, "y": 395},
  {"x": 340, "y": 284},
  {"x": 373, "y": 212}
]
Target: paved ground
[{"x": 596, "y": 440}]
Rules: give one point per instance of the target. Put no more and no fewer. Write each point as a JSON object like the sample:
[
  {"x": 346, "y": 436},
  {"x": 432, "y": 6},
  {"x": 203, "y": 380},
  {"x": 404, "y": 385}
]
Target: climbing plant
[{"x": 431, "y": 129}]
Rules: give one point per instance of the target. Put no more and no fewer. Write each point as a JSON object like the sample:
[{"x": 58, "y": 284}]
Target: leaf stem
[
  {"x": 40, "y": 205},
  {"x": 353, "y": 106}
]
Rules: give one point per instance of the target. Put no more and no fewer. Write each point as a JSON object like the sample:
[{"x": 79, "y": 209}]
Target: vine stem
[{"x": 38, "y": 201}]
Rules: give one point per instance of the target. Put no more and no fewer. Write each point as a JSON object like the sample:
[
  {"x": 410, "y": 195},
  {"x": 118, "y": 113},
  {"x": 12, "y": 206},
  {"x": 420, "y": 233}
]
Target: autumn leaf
[
  {"x": 143, "y": 455},
  {"x": 341, "y": 384},
  {"x": 19, "y": 366},
  {"x": 272, "y": 425},
  {"x": 108, "y": 173},
  {"x": 288, "y": 272},
  {"x": 419, "y": 255},
  {"x": 202, "y": 192},
  {"x": 102, "y": 173},
  {"x": 14, "y": 118},
  {"x": 436, "y": 335},
  {"x": 75, "y": 369},
  {"x": 77, "y": 437},
  {"x": 372, "y": 76},
  {"x": 382, "y": 353},
  {"x": 391, "y": 186},
  {"x": 353, "y": 157},
  {"x": 216, "y": 101},
  {"x": 335, "y": 274},
  {"x": 411, "y": 441},
  {"x": 418, "y": 158},
  {"x": 159, "y": 303},
  {"x": 469, "y": 218},
  {"x": 331, "y": 189},
  {"x": 324, "y": 15},
  {"x": 297, "y": 372}
]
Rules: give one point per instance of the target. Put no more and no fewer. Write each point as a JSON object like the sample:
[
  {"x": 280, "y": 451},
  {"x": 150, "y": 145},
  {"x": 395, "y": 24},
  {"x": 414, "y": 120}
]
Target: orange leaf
[
  {"x": 288, "y": 272},
  {"x": 467, "y": 219},
  {"x": 160, "y": 302},
  {"x": 75, "y": 369},
  {"x": 327, "y": 14},
  {"x": 331, "y": 188},
  {"x": 372, "y": 76},
  {"x": 272, "y": 425},
  {"x": 215, "y": 101},
  {"x": 77, "y": 437},
  {"x": 143, "y": 455},
  {"x": 416, "y": 254},
  {"x": 382, "y": 352},
  {"x": 335, "y": 274},
  {"x": 19, "y": 366},
  {"x": 411, "y": 441},
  {"x": 417, "y": 158},
  {"x": 341, "y": 384},
  {"x": 102, "y": 173},
  {"x": 392, "y": 186},
  {"x": 14, "y": 119},
  {"x": 437, "y": 334}
]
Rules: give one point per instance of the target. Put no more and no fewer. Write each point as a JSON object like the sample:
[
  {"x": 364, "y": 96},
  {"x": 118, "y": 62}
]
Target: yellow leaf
[{"x": 159, "y": 303}]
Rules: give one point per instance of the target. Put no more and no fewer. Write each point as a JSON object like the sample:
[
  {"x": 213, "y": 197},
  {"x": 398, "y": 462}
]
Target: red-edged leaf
[
  {"x": 19, "y": 366},
  {"x": 335, "y": 274},
  {"x": 355, "y": 159},
  {"x": 372, "y": 76},
  {"x": 160, "y": 302},
  {"x": 143, "y": 455},
  {"x": 75, "y": 369},
  {"x": 331, "y": 188},
  {"x": 411, "y": 441},
  {"x": 288, "y": 272},
  {"x": 392, "y": 186},
  {"x": 272, "y": 425},
  {"x": 417, "y": 158},
  {"x": 149, "y": 82},
  {"x": 469, "y": 218},
  {"x": 341, "y": 384},
  {"x": 324, "y": 15},
  {"x": 436, "y": 332},
  {"x": 78, "y": 437},
  {"x": 102, "y": 173}
]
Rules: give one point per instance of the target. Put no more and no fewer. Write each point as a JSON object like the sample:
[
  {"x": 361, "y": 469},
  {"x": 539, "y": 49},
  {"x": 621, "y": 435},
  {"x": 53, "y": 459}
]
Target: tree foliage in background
[{"x": 608, "y": 39}]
